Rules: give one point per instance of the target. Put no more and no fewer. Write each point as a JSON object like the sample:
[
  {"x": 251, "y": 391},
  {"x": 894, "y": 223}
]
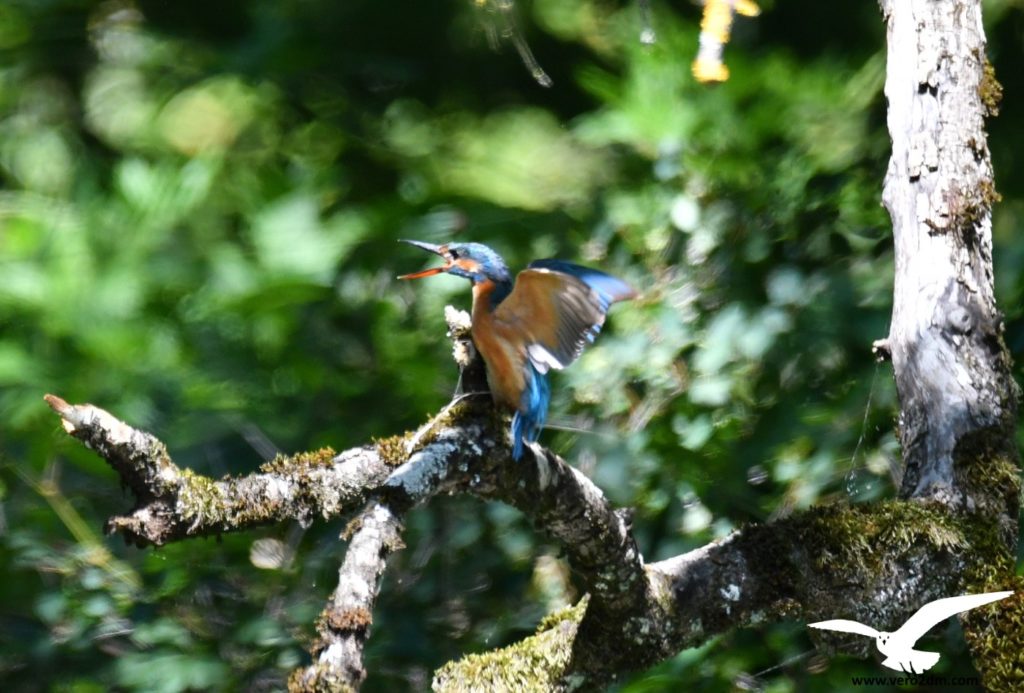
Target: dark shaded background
[{"x": 198, "y": 216}]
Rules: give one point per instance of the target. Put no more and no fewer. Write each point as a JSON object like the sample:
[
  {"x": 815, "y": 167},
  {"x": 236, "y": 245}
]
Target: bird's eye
[{"x": 454, "y": 254}]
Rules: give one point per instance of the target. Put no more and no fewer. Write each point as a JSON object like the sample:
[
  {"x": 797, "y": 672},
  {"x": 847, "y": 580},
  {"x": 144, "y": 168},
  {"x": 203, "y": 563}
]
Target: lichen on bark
[{"x": 537, "y": 663}]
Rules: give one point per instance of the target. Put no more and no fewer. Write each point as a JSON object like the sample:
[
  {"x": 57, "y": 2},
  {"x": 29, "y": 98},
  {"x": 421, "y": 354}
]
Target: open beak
[{"x": 430, "y": 247}]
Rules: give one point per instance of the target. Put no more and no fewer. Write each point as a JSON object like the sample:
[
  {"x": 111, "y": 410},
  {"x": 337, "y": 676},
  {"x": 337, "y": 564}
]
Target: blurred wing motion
[
  {"x": 843, "y": 626},
  {"x": 555, "y": 309},
  {"x": 941, "y": 609},
  {"x": 559, "y": 308}
]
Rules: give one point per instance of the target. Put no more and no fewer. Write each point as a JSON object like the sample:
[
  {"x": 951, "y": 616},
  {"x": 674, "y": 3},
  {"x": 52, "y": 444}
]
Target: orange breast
[{"x": 503, "y": 354}]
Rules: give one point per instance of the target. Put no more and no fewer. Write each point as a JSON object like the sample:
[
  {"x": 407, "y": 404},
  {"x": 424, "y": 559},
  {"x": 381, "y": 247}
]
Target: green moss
[
  {"x": 847, "y": 544},
  {"x": 323, "y": 457},
  {"x": 995, "y": 636},
  {"x": 344, "y": 620},
  {"x": 199, "y": 497},
  {"x": 459, "y": 414},
  {"x": 447, "y": 418},
  {"x": 990, "y": 91},
  {"x": 842, "y": 537},
  {"x": 299, "y": 462},
  {"x": 989, "y": 194},
  {"x": 844, "y": 545},
  {"x": 278, "y": 465},
  {"x": 393, "y": 450},
  {"x": 970, "y": 205},
  {"x": 990, "y": 561},
  {"x": 572, "y": 613},
  {"x": 990, "y": 475},
  {"x": 318, "y": 679},
  {"x": 202, "y": 499},
  {"x": 158, "y": 452},
  {"x": 537, "y": 663}
]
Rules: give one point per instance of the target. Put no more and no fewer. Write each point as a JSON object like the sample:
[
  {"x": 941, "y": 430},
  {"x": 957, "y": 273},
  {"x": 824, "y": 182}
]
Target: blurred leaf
[
  {"x": 164, "y": 672},
  {"x": 208, "y": 117},
  {"x": 291, "y": 240}
]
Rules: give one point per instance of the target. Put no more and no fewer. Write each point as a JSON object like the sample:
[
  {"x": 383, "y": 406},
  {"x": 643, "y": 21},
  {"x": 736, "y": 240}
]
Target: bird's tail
[{"x": 533, "y": 411}]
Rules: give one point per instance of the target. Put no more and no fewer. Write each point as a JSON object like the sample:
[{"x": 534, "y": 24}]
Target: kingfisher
[{"x": 527, "y": 328}]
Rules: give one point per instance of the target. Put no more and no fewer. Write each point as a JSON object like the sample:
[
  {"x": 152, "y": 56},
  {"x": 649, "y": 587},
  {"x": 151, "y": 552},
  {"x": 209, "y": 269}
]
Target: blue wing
[
  {"x": 608, "y": 288},
  {"x": 554, "y": 309},
  {"x": 557, "y": 308}
]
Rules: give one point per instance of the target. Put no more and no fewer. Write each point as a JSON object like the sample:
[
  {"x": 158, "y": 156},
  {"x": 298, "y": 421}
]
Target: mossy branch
[
  {"x": 344, "y": 625},
  {"x": 172, "y": 503},
  {"x": 873, "y": 563}
]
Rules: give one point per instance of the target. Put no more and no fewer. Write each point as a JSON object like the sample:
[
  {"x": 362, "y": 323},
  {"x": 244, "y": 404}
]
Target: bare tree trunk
[
  {"x": 952, "y": 369},
  {"x": 958, "y": 400}
]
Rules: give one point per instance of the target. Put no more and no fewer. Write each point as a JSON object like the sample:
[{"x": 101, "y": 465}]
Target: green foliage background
[{"x": 198, "y": 216}]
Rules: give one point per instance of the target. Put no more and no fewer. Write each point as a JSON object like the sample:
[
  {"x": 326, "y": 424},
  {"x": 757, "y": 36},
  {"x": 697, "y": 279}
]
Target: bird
[
  {"x": 898, "y": 647},
  {"x": 525, "y": 329}
]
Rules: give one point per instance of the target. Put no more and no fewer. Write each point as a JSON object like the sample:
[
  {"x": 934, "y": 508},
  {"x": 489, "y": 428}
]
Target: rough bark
[
  {"x": 952, "y": 369},
  {"x": 172, "y": 503},
  {"x": 810, "y": 565},
  {"x": 958, "y": 400},
  {"x": 871, "y": 563},
  {"x": 344, "y": 624}
]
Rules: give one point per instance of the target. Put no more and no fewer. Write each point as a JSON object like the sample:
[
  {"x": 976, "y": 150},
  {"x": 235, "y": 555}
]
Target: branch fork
[{"x": 824, "y": 562}]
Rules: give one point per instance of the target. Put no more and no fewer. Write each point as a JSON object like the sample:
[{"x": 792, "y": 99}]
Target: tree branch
[
  {"x": 837, "y": 560},
  {"x": 873, "y": 563},
  {"x": 173, "y": 503},
  {"x": 344, "y": 625},
  {"x": 876, "y": 564}
]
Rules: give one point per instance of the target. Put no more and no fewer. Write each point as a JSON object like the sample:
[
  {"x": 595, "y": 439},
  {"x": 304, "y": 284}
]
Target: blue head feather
[{"x": 491, "y": 265}]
